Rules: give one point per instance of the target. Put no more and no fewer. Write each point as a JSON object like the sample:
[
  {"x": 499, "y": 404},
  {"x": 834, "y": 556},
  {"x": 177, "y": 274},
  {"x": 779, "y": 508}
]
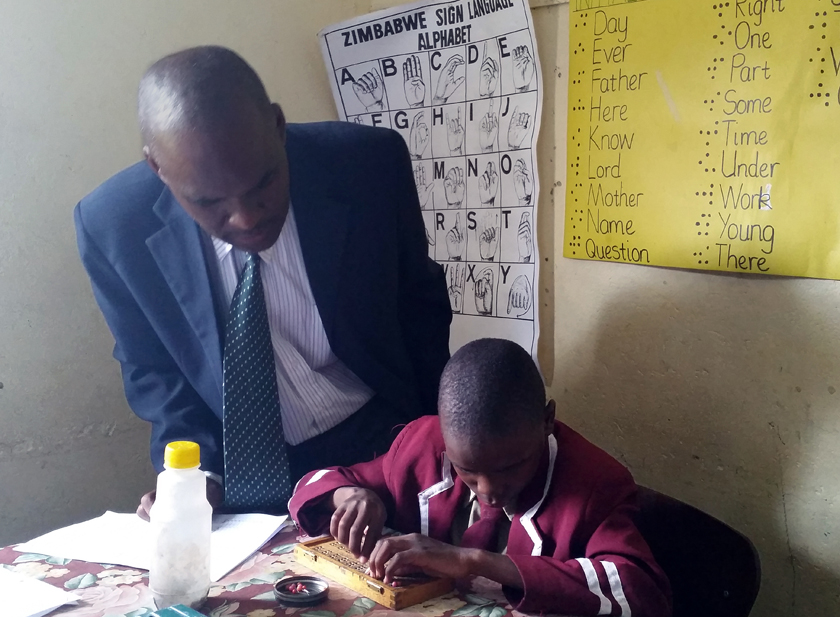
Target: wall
[{"x": 720, "y": 390}]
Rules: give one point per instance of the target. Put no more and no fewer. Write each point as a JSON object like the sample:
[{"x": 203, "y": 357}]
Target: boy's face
[{"x": 498, "y": 469}]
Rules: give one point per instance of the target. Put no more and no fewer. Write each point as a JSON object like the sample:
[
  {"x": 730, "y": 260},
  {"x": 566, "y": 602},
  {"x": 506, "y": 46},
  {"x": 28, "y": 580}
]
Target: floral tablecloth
[{"x": 114, "y": 591}]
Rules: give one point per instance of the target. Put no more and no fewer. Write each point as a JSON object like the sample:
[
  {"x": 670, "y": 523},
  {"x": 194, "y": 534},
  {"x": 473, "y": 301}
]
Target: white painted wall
[{"x": 720, "y": 390}]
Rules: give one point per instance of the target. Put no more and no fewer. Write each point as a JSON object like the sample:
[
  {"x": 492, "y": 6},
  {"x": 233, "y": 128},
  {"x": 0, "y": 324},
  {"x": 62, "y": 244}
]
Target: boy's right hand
[{"x": 357, "y": 510}]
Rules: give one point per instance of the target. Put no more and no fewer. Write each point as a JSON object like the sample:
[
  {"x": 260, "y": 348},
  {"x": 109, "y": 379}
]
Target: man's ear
[
  {"x": 548, "y": 419},
  {"x": 147, "y": 154},
  {"x": 280, "y": 119}
]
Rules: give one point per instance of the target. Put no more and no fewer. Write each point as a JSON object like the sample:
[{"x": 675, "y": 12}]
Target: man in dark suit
[{"x": 350, "y": 324}]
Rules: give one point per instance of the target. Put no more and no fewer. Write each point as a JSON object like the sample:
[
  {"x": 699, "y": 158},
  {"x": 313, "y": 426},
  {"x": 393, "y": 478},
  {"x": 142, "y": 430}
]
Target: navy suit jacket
[{"x": 382, "y": 301}]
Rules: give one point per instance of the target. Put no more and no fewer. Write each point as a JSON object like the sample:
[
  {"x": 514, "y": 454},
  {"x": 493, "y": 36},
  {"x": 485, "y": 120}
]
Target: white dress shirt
[{"x": 316, "y": 390}]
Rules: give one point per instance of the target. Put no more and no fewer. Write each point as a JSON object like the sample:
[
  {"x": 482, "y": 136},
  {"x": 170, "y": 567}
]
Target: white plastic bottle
[{"x": 181, "y": 520}]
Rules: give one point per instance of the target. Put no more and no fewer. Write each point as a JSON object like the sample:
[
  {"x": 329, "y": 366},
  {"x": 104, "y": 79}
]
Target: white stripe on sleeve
[
  {"x": 616, "y": 588},
  {"x": 318, "y": 475},
  {"x": 595, "y": 585}
]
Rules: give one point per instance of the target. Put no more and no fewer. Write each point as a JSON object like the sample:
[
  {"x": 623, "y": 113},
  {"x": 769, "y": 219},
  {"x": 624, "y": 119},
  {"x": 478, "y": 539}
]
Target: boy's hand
[
  {"x": 402, "y": 555},
  {"x": 357, "y": 510}
]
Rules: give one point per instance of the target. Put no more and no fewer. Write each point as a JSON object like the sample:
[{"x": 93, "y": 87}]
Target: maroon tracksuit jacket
[{"x": 572, "y": 538}]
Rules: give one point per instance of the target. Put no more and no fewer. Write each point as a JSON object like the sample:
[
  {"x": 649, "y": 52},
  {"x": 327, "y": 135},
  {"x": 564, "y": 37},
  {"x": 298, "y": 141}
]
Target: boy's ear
[{"x": 548, "y": 419}]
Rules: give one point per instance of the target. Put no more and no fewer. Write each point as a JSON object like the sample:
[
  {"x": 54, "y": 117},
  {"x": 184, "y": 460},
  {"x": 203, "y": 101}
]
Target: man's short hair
[
  {"x": 196, "y": 89},
  {"x": 489, "y": 389}
]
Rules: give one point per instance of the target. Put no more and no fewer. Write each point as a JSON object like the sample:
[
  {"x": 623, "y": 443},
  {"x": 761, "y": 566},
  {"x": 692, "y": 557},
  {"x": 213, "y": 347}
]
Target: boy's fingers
[
  {"x": 356, "y": 533},
  {"x": 371, "y": 538},
  {"x": 335, "y": 520},
  {"x": 382, "y": 553}
]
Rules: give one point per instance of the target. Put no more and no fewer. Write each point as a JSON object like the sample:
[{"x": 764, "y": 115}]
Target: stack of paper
[
  {"x": 125, "y": 540},
  {"x": 28, "y": 597}
]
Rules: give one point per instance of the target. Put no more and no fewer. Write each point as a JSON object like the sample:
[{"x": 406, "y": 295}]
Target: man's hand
[
  {"x": 449, "y": 80},
  {"x": 370, "y": 90},
  {"x": 518, "y": 128},
  {"x": 358, "y": 520},
  {"x": 455, "y": 134},
  {"x": 523, "y": 68},
  {"x": 418, "y": 136},
  {"x": 454, "y": 187},
  {"x": 413, "y": 84},
  {"x": 215, "y": 495},
  {"x": 489, "y": 75}
]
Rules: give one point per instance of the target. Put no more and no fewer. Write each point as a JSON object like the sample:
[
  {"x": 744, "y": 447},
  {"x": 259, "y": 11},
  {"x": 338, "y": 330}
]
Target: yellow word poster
[{"x": 705, "y": 135}]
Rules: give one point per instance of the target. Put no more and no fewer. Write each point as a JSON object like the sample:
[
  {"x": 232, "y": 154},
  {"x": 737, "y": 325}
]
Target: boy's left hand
[{"x": 402, "y": 555}]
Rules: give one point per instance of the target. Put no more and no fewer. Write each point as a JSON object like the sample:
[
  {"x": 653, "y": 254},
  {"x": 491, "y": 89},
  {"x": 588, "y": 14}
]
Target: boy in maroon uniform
[{"x": 531, "y": 504}]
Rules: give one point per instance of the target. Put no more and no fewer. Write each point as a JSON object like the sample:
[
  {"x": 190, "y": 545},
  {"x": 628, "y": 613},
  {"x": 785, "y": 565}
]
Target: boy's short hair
[{"x": 489, "y": 389}]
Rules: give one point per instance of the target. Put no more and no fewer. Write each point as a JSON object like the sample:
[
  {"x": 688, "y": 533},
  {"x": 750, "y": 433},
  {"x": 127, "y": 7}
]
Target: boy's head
[{"x": 494, "y": 418}]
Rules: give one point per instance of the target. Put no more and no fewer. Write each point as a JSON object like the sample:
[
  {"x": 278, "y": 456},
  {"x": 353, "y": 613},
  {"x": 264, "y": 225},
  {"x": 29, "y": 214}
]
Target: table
[{"x": 116, "y": 591}]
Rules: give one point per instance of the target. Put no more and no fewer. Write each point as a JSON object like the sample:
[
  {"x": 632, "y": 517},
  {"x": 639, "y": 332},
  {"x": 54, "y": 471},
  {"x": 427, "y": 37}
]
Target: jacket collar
[
  {"x": 322, "y": 214},
  {"x": 177, "y": 249},
  {"x": 450, "y": 492}
]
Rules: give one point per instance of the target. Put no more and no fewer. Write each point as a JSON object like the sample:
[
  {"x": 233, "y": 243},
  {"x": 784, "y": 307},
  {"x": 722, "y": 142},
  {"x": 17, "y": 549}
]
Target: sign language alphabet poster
[{"x": 459, "y": 80}]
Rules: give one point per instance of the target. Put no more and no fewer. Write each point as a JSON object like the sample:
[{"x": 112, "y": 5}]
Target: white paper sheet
[
  {"x": 460, "y": 82},
  {"x": 125, "y": 539},
  {"x": 23, "y": 596}
]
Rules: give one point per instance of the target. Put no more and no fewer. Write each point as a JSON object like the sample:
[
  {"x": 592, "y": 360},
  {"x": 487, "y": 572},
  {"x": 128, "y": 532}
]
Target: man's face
[
  {"x": 498, "y": 469},
  {"x": 234, "y": 181}
]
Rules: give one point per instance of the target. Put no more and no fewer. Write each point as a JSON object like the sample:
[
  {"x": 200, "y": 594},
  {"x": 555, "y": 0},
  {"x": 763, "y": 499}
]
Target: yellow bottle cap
[{"x": 182, "y": 455}]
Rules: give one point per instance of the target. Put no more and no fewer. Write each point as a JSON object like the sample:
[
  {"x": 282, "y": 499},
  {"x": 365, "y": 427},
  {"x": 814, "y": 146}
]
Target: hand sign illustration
[
  {"x": 455, "y": 134},
  {"x": 522, "y": 182},
  {"x": 488, "y": 237},
  {"x": 370, "y": 90},
  {"x": 424, "y": 191},
  {"x": 454, "y": 187},
  {"x": 418, "y": 136},
  {"x": 488, "y": 185},
  {"x": 429, "y": 240},
  {"x": 523, "y": 68},
  {"x": 449, "y": 79},
  {"x": 525, "y": 238},
  {"x": 489, "y": 75},
  {"x": 415, "y": 87},
  {"x": 518, "y": 128},
  {"x": 455, "y": 240},
  {"x": 457, "y": 273},
  {"x": 519, "y": 296},
  {"x": 484, "y": 292},
  {"x": 488, "y": 130}
]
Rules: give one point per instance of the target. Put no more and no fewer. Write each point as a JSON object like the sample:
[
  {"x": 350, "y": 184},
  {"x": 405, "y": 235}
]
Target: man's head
[
  {"x": 494, "y": 418},
  {"x": 214, "y": 137}
]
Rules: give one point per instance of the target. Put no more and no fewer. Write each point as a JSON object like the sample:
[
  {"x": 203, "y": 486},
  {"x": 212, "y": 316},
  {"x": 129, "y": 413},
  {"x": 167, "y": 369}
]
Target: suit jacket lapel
[
  {"x": 177, "y": 249},
  {"x": 322, "y": 223}
]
